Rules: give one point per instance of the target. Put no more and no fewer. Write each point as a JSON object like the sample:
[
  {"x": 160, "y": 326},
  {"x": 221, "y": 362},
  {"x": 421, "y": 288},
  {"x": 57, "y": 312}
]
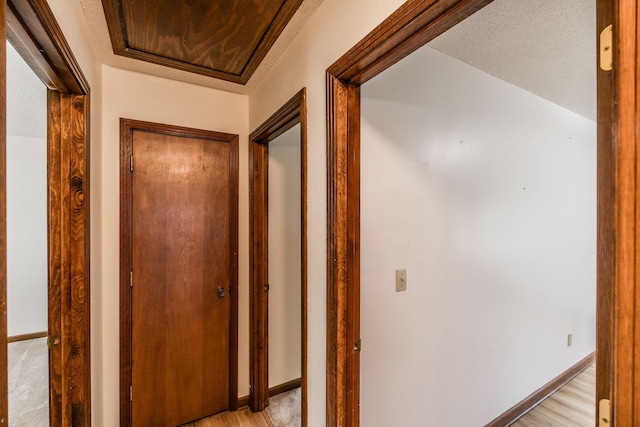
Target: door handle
[{"x": 221, "y": 292}]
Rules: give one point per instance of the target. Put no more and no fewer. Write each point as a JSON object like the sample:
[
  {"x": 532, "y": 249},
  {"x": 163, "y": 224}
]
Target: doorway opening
[
  {"x": 411, "y": 27},
  {"x": 278, "y": 260},
  {"x": 32, "y": 30},
  {"x": 27, "y": 306}
]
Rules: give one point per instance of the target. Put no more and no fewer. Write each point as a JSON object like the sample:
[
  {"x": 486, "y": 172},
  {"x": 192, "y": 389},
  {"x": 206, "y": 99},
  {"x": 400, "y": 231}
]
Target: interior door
[{"x": 182, "y": 275}]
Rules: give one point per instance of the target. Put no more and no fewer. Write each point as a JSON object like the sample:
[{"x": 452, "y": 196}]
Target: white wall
[
  {"x": 285, "y": 263},
  {"x": 136, "y": 96},
  {"x": 335, "y": 27},
  {"x": 485, "y": 193},
  {"x": 26, "y": 235}
]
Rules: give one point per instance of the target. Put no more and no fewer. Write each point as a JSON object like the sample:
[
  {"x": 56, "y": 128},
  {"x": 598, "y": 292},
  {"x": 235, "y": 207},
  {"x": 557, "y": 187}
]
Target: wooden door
[{"x": 182, "y": 274}]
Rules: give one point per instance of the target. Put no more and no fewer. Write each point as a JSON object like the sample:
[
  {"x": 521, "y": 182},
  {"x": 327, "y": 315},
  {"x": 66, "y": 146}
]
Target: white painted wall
[
  {"x": 334, "y": 28},
  {"x": 26, "y": 235},
  {"x": 136, "y": 96},
  {"x": 285, "y": 263},
  {"x": 486, "y": 194}
]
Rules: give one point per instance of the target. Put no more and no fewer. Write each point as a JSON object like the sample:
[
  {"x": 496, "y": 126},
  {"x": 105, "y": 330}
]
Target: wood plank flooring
[
  {"x": 571, "y": 406},
  {"x": 574, "y": 405},
  {"x": 241, "y": 418}
]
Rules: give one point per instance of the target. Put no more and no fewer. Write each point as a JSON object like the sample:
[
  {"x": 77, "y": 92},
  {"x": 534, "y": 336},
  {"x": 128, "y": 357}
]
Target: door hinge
[
  {"x": 357, "y": 346},
  {"x": 53, "y": 341},
  {"x": 131, "y": 278},
  {"x": 604, "y": 413},
  {"x": 606, "y": 49},
  {"x": 131, "y": 393},
  {"x": 131, "y": 163}
]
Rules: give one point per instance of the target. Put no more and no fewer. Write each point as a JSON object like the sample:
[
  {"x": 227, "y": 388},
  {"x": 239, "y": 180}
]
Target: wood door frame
[
  {"x": 127, "y": 126},
  {"x": 32, "y": 29},
  {"x": 293, "y": 112},
  {"x": 410, "y": 27}
]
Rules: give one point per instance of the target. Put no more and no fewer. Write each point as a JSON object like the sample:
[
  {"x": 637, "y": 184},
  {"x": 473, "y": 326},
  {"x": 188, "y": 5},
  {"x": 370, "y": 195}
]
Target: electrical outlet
[
  {"x": 569, "y": 340},
  {"x": 401, "y": 280}
]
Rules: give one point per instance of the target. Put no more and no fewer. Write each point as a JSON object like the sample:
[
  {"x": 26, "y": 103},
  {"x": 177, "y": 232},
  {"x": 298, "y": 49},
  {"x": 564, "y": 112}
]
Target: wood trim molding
[
  {"x": 117, "y": 31},
  {"x": 4, "y": 366},
  {"x": 606, "y": 218},
  {"x": 625, "y": 305},
  {"x": 25, "y": 337},
  {"x": 538, "y": 396},
  {"x": 34, "y": 32},
  {"x": 69, "y": 258},
  {"x": 127, "y": 127},
  {"x": 285, "y": 387},
  {"x": 290, "y": 114}
]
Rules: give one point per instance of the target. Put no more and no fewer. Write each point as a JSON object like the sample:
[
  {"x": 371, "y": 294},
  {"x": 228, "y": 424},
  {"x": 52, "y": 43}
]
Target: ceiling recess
[{"x": 223, "y": 39}]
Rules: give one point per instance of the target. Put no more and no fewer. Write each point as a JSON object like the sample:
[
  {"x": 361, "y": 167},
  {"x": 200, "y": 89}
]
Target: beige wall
[
  {"x": 335, "y": 27},
  {"x": 285, "y": 264},
  {"x": 141, "y": 97}
]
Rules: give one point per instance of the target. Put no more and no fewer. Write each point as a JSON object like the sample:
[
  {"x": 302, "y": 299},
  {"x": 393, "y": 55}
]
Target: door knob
[{"x": 220, "y": 291}]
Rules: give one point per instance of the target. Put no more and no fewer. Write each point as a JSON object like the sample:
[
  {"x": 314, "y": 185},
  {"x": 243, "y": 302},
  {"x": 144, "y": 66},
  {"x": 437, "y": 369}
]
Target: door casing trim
[{"x": 291, "y": 113}]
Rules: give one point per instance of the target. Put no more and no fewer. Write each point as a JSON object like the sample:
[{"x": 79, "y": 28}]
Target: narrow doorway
[
  {"x": 409, "y": 29},
  {"x": 27, "y": 275},
  {"x": 482, "y": 186},
  {"x": 278, "y": 264}
]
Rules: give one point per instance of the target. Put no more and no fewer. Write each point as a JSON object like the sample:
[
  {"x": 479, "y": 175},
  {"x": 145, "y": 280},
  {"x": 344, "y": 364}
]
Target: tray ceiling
[{"x": 224, "y": 39}]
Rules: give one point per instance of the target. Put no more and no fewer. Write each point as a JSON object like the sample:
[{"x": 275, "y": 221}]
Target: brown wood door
[{"x": 182, "y": 275}]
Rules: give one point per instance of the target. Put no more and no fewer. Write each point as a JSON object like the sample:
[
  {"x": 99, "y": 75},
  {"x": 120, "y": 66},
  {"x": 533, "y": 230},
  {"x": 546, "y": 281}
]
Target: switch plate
[
  {"x": 401, "y": 280},
  {"x": 569, "y": 340}
]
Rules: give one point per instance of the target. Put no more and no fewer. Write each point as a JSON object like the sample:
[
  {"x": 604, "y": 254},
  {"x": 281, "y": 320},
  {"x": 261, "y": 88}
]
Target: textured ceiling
[
  {"x": 26, "y": 99},
  {"x": 547, "y": 47},
  {"x": 98, "y": 27}
]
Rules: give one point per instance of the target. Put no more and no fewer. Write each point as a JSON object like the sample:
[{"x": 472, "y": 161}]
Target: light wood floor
[
  {"x": 241, "y": 418},
  {"x": 574, "y": 405},
  {"x": 571, "y": 406}
]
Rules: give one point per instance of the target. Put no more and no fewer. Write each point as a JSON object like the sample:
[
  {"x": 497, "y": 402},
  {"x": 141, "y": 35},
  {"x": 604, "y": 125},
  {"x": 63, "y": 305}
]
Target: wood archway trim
[
  {"x": 291, "y": 113},
  {"x": 33, "y": 31}
]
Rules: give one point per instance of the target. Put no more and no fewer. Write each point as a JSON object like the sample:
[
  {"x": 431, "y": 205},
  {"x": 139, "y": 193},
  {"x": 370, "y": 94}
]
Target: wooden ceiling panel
[{"x": 225, "y": 39}]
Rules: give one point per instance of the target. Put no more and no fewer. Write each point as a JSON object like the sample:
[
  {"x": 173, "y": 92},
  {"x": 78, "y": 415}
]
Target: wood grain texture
[
  {"x": 291, "y": 113},
  {"x": 34, "y": 32},
  {"x": 68, "y": 259},
  {"x": 157, "y": 177},
  {"x": 540, "y": 395},
  {"x": 606, "y": 218},
  {"x": 241, "y": 418},
  {"x": 572, "y": 405},
  {"x": 4, "y": 367},
  {"x": 225, "y": 40},
  {"x": 626, "y": 312},
  {"x": 410, "y": 27}
]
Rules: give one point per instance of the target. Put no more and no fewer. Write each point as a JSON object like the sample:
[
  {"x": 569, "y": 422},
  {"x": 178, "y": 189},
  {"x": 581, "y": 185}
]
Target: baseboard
[
  {"x": 274, "y": 391},
  {"x": 283, "y": 388},
  {"x": 243, "y": 402},
  {"x": 521, "y": 409},
  {"x": 25, "y": 337}
]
